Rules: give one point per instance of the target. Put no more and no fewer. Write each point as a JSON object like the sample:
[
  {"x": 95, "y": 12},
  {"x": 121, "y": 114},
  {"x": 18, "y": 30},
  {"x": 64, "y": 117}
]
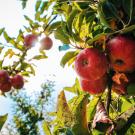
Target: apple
[
  {"x": 121, "y": 52},
  {"x": 3, "y": 76},
  {"x": 46, "y": 43},
  {"x": 17, "y": 81},
  {"x": 6, "y": 86},
  {"x": 94, "y": 86},
  {"x": 91, "y": 64},
  {"x": 29, "y": 40}
]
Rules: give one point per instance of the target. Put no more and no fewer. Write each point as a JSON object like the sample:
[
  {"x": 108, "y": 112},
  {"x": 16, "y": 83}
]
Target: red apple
[
  {"x": 17, "y": 81},
  {"x": 46, "y": 43},
  {"x": 5, "y": 87},
  {"x": 30, "y": 40},
  {"x": 121, "y": 51},
  {"x": 3, "y": 76},
  {"x": 91, "y": 64},
  {"x": 94, "y": 86}
]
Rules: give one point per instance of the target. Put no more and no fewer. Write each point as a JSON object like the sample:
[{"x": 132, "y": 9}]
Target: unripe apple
[
  {"x": 30, "y": 40},
  {"x": 94, "y": 86},
  {"x": 121, "y": 52},
  {"x": 91, "y": 64},
  {"x": 17, "y": 81},
  {"x": 46, "y": 43},
  {"x": 3, "y": 76},
  {"x": 6, "y": 86}
]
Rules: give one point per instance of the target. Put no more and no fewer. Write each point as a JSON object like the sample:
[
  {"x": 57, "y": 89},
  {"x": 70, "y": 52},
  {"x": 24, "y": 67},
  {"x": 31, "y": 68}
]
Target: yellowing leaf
[
  {"x": 9, "y": 53},
  {"x": 46, "y": 129},
  {"x": 64, "y": 114},
  {"x": 80, "y": 125}
]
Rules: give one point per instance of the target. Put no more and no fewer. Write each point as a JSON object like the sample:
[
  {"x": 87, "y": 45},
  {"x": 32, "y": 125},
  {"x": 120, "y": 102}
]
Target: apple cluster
[
  {"x": 30, "y": 40},
  {"x": 7, "y": 82},
  {"x": 93, "y": 66}
]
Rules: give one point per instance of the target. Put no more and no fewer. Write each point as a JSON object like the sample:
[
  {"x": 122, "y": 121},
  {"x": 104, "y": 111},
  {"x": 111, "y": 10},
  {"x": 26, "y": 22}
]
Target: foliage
[
  {"x": 78, "y": 25},
  {"x": 86, "y": 24}
]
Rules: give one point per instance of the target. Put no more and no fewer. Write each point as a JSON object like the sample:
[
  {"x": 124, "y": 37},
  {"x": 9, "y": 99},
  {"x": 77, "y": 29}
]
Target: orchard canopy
[{"x": 98, "y": 37}]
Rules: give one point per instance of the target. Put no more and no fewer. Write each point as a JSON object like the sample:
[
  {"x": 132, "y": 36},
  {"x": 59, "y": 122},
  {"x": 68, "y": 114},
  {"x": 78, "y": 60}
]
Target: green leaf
[
  {"x": 28, "y": 19},
  {"x": 60, "y": 34},
  {"x": 125, "y": 104},
  {"x": 70, "y": 19},
  {"x": 2, "y": 30},
  {"x": 101, "y": 14},
  {"x": 53, "y": 26},
  {"x": 67, "y": 57},
  {"x": 37, "y": 5},
  {"x": 24, "y": 2},
  {"x": 39, "y": 57},
  {"x": 3, "y": 120},
  {"x": 46, "y": 129},
  {"x": 44, "y": 6},
  {"x": 37, "y": 16},
  {"x": 80, "y": 124},
  {"x": 131, "y": 90},
  {"x": 27, "y": 67},
  {"x": 122, "y": 120},
  {"x": 76, "y": 88},
  {"x": 20, "y": 36},
  {"x": 64, "y": 47},
  {"x": 7, "y": 38},
  {"x": 9, "y": 53},
  {"x": 91, "y": 108},
  {"x": 97, "y": 132}
]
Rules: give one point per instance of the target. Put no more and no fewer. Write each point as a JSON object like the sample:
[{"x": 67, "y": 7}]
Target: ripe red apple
[
  {"x": 46, "y": 43},
  {"x": 17, "y": 81},
  {"x": 29, "y": 40},
  {"x": 91, "y": 64},
  {"x": 3, "y": 76},
  {"x": 94, "y": 86},
  {"x": 6, "y": 86},
  {"x": 121, "y": 51}
]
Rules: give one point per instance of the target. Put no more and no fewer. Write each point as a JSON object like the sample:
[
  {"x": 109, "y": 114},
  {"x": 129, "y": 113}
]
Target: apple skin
[
  {"x": 17, "y": 81},
  {"x": 5, "y": 87},
  {"x": 121, "y": 52},
  {"x": 29, "y": 40},
  {"x": 46, "y": 43},
  {"x": 91, "y": 64},
  {"x": 3, "y": 76},
  {"x": 94, "y": 86}
]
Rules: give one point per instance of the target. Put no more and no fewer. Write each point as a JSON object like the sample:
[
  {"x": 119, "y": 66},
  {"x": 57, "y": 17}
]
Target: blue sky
[{"x": 11, "y": 17}]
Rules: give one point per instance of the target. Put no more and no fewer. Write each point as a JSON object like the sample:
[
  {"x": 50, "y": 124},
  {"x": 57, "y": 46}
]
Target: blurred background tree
[{"x": 29, "y": 110}]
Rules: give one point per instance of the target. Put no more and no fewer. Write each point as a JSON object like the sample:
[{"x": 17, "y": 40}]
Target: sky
[{"x": 11, "y": 17}]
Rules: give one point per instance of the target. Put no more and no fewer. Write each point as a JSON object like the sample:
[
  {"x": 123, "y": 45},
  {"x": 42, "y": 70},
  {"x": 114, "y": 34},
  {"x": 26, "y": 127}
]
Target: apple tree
[{"x": 98, "y": 37}]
